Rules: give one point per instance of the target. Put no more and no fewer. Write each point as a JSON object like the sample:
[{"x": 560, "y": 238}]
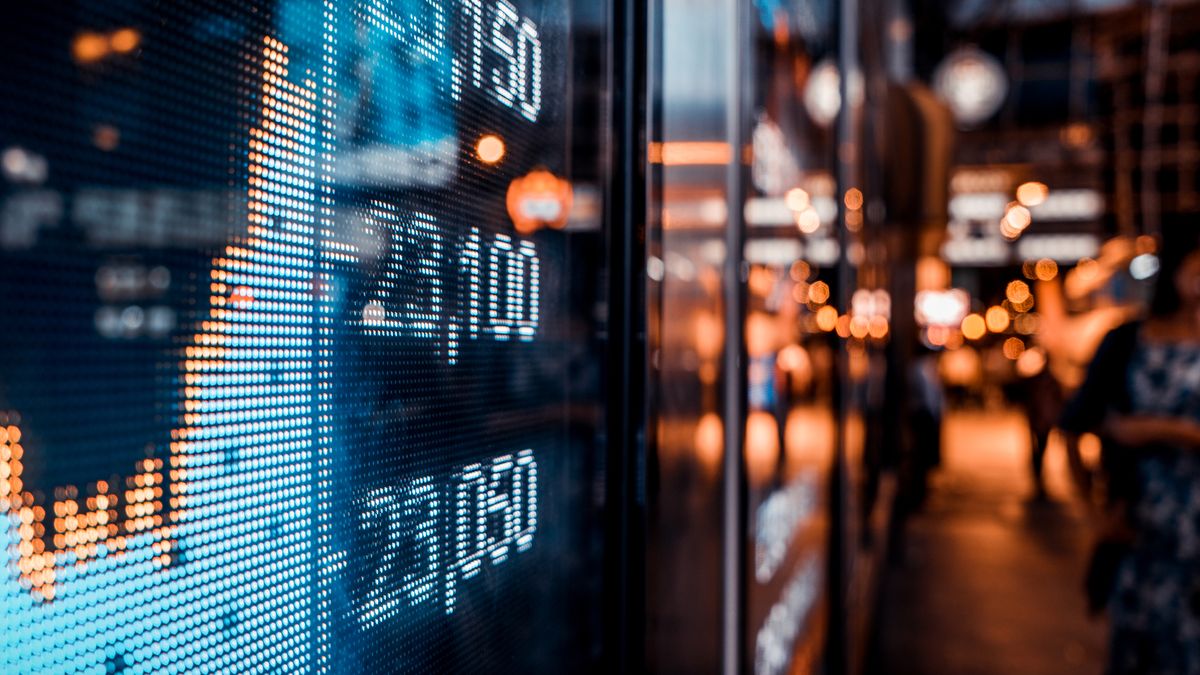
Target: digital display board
[{"x": 299, "y": 306}]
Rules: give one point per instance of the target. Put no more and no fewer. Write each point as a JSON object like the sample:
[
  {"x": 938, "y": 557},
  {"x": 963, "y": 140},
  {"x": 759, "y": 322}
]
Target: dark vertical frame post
[{"x": 626, "y": 359}]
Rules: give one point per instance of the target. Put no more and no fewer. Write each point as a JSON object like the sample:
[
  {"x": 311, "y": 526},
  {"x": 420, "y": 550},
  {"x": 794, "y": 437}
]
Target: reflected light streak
[
  {"x": 709, "y": 442},
  {"x": 691, "y": 153}
]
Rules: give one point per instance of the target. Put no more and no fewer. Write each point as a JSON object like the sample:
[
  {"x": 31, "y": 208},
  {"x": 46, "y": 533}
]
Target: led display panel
[{"x": 299, "y": 306}]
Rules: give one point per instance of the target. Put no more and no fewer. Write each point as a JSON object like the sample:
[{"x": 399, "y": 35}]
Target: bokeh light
[
  {"x": 1032, "y": 193},
  {"x": 973, "y": 327},
  {"x": 1013, "y": 348},
  {"x": 490, "y": 149},
  {"x": 997, "y": 319},
  {"x": 1017, "y": 292}
]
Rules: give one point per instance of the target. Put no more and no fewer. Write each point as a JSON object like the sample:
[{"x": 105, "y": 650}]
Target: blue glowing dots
[
  {"x": 201, "y": 560},
  {"x": 243, "y": 459}
]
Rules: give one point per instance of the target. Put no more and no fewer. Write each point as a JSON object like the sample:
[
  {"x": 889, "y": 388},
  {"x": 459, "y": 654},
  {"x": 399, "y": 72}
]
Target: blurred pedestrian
[
  {"x": 1142, "y": 396},
  {"x": 1040, "y": 397}
]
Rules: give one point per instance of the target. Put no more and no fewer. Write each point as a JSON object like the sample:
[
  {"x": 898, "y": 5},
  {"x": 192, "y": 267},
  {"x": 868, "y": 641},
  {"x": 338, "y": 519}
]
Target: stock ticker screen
[{"x": 298, "y": 317}]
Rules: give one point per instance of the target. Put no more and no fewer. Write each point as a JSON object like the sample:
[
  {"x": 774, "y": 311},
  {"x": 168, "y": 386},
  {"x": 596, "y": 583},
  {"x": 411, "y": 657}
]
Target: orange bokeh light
[
  {"x": 125, "y": 40},
  {"x": 490, "y": 149},
  {"x": 89, "y": 47},
  {"x": 974, "y": 327}
]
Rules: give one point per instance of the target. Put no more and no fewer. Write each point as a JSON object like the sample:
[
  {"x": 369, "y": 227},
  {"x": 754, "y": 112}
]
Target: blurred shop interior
[{"x": 980, "y": 190}]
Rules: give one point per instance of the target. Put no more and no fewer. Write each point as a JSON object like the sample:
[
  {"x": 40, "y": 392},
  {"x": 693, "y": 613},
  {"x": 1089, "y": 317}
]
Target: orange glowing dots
[
  {"x": 795, "y": 360},
  {"x": 827, "y": 318},
  {"x": 89, "y": 47},
  {"x": 1032, "y": 193},
  {"x": 878, "y": 328},
  {"x": 843, "y": 326},
  {"x": 106, "y": 137},
  {"x": 709, "y": 441},
  {"x": 1026, "y": 324},
  {"x": 708, "y": 334},
  {"x": 1018, "y": 217},
  {"x": 539, "y": 199},
  {"x": 1031, "y": 362},
  {"x": 684, "y": 153},
  {"x": 853, "y": 199},
  {"x": 760, "y": 333},
  {"x": 860, "y": 326},
  {"x": 797, "y": 199},
  {"x": 1045, "y": 269},
  {"x": 1087, "y": 269},
  {"x": 490, "y": 149},
  {"x": 761, "y": 446},
  {"x": 808, "y": 220},
  {"x": 997, "y": 319},
  {"x": 973, "y": 327},
  {"x": 761, "y": 281},
  {"x": 1017, "y": 292},
  {"x": 124, "y": 40},
  {"x": 818, "y": 293},
  {"x": 800, "y": 292},
  {"x": 800, "y": 271},
  {"x": 1013, "y": 348},
  {"x": 1076, "y": 135},
  {"x": 242, "y": 296}
]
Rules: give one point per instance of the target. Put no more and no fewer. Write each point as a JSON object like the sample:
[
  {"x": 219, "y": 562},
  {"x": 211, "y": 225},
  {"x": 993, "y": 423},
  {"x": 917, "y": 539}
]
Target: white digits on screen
[
  {"x": 408, "y": 295},
  {"x": 505, "y": 287},
  {"x": 513, "y": 289},
  {"x": 409, "y": 560},
  {"x": 516, "y": 80},
  {"x": 495, "y": 515},
  {"x": 424, "y": 30}
]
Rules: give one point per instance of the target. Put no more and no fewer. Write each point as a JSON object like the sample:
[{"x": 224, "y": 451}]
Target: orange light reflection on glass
[
  {"x": 676, "y": 153},
  {"x": 89, "y": 47},
  {"x": 125, "y": 40},
  {"x": 490, "y": 149},
  {"x": 709, "y": 441},
  {"x": 762, "y": 446}
]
